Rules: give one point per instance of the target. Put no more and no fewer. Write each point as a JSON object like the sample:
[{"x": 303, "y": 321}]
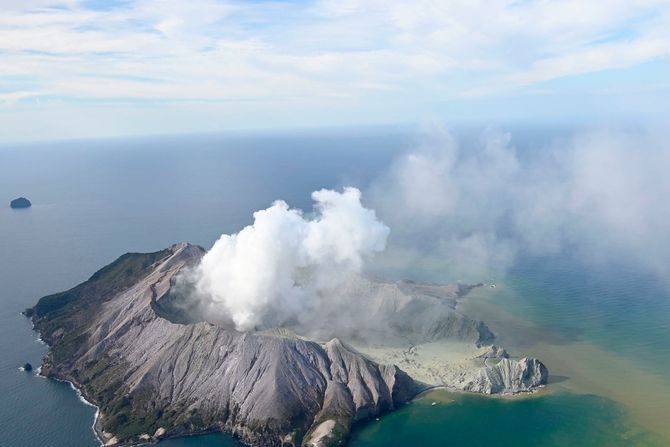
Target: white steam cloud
[
  {"x": 273, "y": 271},
  {"x": 463, "y": 209},
  {"x": 600, "y": 195}
]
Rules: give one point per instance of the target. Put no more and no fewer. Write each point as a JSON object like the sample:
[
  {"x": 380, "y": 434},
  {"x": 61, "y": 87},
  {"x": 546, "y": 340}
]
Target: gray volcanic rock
[
  {"x": 508, "y": 376},
  {"x": 447, "y": 292},
  {"x": 21, "y": 202},
  {"x": 153, "y": 378},
  {"x": 494, "y": 352},
  {"x": 128, "y": 340},
  {"x": 372, "y": 312}
]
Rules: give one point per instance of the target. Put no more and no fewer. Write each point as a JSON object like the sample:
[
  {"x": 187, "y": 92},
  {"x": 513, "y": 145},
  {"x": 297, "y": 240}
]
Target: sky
[{"x": 98, "y": 68}]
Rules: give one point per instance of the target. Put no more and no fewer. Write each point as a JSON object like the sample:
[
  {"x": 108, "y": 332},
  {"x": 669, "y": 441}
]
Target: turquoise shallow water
[
  {"x": 615, "y": 306},
  {"x": 556, "y": 420},
  {"x": 560, "y": 419},
  {"x": 603, "y": 331},
  {"x": 96, "y": 200}
]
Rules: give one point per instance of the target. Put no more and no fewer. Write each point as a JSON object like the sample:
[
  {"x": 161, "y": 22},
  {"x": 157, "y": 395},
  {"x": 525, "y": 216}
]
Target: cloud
[
  {"x": 475, "y": 207},
  {"x": 479, "y": 206},
  {"x": 273, "y": 272},
  {"x": 269, "y": 50}
]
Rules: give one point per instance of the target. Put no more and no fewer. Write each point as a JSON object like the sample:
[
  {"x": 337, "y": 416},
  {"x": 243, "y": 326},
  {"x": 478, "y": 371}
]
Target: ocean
[{"x": 602, "y": 332}]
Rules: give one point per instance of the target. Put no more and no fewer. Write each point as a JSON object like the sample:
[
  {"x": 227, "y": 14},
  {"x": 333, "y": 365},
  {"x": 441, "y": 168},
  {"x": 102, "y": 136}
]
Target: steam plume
[
  {"x": 600, "y": 195},
  {"x": 272, "y": 271},
  {"x": 476, "y": 209}
]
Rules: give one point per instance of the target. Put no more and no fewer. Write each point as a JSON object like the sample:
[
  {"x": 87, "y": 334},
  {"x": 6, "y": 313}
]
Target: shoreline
[
  {"x": 96, "y": 417},
  {"x": 542, "y": 390},
  {"x": 81, "y": 398},
  {"x": 578, "y": 363},
  {"x": 77, "y": 390},
  {"x": 421, "y": 394},
  {"x": 447, "y": 358}
]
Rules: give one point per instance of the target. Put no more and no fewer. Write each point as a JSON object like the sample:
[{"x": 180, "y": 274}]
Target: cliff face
[
  {"x": 153, "y": 378},
  {"x": 508, "y": 376}
]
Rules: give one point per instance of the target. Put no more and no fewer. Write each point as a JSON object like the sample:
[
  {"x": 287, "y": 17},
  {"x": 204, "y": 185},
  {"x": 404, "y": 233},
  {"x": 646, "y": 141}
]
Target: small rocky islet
[{"x": 19, "y": 203}]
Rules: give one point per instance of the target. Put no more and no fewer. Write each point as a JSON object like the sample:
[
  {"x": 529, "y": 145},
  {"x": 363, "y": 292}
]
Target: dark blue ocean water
[{"x": 94, "y": 200}]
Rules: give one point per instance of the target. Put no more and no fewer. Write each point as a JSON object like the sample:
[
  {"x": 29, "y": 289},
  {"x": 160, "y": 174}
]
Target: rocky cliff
[{"x": 507, "y": 376}]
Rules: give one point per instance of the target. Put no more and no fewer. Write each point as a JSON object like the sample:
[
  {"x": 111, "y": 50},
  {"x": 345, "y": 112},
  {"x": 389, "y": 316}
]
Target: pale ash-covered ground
[
  {"x": 417, "y": 327},
  {"x": 434, "y": 363}
]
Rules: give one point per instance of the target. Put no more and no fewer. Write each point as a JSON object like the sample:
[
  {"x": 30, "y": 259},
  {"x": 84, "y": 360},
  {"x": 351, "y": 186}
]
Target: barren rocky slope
[{"x": 152, "y": 377}]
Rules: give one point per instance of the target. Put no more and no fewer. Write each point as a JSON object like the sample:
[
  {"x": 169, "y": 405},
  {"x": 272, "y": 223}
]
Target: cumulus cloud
[{"x": 275, "y": 270}]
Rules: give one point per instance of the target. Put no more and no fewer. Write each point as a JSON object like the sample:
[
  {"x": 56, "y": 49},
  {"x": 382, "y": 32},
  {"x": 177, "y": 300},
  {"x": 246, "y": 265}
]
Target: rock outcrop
[
  {"x": 153, "y": 378},
  {"x": 507, "y": 376},
  {"x": 494, "y": 352},
  {"x": 21, "y": 202}
]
